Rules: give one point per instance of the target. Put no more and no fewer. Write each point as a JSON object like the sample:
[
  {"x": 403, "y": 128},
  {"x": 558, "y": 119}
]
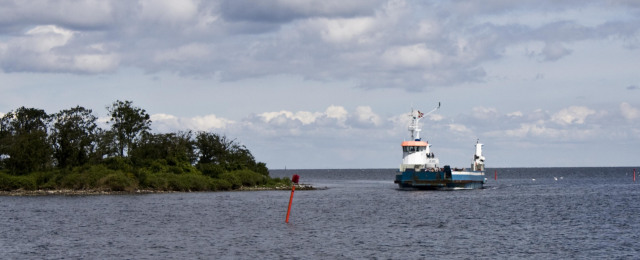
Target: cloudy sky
[{"x": 330, "y": 84}]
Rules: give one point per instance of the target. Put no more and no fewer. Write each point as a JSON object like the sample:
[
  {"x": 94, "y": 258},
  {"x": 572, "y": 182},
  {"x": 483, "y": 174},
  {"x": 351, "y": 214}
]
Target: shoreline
[{"x": 70, "y": 192}]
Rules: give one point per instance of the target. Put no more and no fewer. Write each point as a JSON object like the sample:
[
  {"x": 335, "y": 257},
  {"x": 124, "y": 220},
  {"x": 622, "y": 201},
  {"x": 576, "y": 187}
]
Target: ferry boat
[{"x": 421, "y": 169}]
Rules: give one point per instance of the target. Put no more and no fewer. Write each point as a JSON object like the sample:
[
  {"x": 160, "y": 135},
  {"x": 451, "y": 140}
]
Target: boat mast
[{"x": 414, "y": 127}]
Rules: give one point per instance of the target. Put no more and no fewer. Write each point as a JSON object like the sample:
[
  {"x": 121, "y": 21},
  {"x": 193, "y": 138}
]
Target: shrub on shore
[{"x": 10, "y": 182}]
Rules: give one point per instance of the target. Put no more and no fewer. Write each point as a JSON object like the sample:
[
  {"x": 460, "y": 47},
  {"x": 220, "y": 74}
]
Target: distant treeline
[{"x": 67, "y": 150}]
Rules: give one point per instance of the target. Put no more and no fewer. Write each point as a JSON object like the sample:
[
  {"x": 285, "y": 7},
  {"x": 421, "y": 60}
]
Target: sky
[{"x": 330, "y": 84}]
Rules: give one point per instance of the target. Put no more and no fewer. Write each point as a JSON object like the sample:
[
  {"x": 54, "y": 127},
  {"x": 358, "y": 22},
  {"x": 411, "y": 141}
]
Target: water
[{"x": 585, "y": 213}]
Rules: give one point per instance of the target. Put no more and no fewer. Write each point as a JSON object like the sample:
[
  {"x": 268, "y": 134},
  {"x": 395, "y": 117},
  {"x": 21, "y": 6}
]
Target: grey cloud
[
  {"x": 283, "y": 11},
  {"x": 554, "y": 51},
  {"x": 77, "y": 15},
  {"x": 378, "y": 44}
]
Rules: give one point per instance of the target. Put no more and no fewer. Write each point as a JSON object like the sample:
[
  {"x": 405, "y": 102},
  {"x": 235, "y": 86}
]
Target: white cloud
[
  {"x": 45, "y": 37},
  {"x": 304, "y": 117},
  {"x": 169, "y": 123},
  {"x": 345, "y": 30},
  {"x": 337, "y": 112},
  {"x": 436, "y": 117},
  {"x": 515, "y": 114},
  {"x": 459, "y": 128},
  {"x": 572, "y": 115},
  {"x": 365, "y": 115},
  {"x": 629, "y": 112},
  {"x": 47, "y": 48},
  {"x": 484, "y": 113},
  {"x": 531, "y": 129},
  {"x": 168, "y": 10},
  {"x": 417, "y": 55}
]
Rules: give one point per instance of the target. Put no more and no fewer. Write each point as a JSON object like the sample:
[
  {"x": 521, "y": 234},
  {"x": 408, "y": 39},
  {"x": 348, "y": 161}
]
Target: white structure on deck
[
  {"x": 417, "y": 153},
  {"x": 478, "y": 160}
]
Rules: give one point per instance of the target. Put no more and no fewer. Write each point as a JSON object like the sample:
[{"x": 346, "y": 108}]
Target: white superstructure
[
  {"x": 478, "y": 159},
  {"x": 416, "y": 153}
]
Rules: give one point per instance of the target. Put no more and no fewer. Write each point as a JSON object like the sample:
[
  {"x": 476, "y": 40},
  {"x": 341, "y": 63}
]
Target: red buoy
[
  {"x": 295, "y": 180},
  {"x": 634, "y": 174},
  {"x": 495, "y": 175}
]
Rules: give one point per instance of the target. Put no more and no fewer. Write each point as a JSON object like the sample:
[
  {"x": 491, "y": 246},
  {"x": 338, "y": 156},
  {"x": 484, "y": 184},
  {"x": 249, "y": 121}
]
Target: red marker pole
[
  {"x": 495, "y": 175},
  {"x": 294, "y": 179},
  {"x": 634, "y": 174}
]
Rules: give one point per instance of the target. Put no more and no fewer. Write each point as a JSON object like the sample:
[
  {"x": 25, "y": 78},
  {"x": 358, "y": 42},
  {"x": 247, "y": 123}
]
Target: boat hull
[{"x": 444, "y": 179}]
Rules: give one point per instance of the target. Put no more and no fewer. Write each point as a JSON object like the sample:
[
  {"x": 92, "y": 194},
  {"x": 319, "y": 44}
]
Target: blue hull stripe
[{"x": 434, "y": 180}]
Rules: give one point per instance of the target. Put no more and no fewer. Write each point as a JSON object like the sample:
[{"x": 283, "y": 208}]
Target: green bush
[
  {"x": 220, "y": 185},
  {"x": 84, "y": 177},
  {"x": 157, "y": 181},
  {"x": 118, "y": 182},
  {"x": 193, "y": 182},
  {"x": 158, "y": 166},
  {"x": 43, "y": 178},
  {"x": 232, "y": 179},
  {"x": 251, "y": 178},
  {"x": 73, "y": 181},
  {"x": 10, "y": 182},
  {"x": 211, "y": 169},
  {"x": 119, "y": 163}
]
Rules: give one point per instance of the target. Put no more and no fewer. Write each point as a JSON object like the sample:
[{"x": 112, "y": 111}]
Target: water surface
[{"x": 534, "y": 213}]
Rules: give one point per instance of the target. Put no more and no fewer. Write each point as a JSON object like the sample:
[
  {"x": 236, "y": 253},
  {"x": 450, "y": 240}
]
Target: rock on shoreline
[{"x": 69, "y": 192}]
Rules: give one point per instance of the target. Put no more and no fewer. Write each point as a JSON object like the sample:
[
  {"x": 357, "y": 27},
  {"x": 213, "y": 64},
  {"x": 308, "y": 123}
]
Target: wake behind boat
[{"x": 421, "y": 169}]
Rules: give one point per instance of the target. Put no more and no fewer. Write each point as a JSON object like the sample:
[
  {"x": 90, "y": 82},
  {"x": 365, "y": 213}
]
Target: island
[{"x": 68, "y": 153}]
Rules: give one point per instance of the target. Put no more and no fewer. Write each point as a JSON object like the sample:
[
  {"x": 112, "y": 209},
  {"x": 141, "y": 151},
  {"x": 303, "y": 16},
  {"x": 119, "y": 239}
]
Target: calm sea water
[{"x": 534, "y": 213}]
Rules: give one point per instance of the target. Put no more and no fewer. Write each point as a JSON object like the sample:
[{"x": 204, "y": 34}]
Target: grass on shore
[{"x": 102, "y": 178}]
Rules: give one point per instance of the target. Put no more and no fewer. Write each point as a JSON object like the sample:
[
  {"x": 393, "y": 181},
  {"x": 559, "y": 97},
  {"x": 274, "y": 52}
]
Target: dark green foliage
[
  {"x": 24, "y": 146},
  {"x": 73, "y": 136},
  {"x": 246, "y": 178},
  {"x": 273, "y": 182},
  {"x": 174, "y": 148},
  {"x": 128, "y": 124},
  {"x": 118, "y": 181},
  {"x": 221, "y": 185},
  {"x": 193, "y": 182},
  {"x": 233, "y": 179},
  {"x": 10, "y": 182},
  {"x": 105, "y": 145},
  {"x": 118, "y": 163},
  {"x": 67, "y": 150},
  {"x": 250, "y": 178},
  {"x": 84, "y": 178},
  {"x": 157, "y": 181},
  {"x": 228, "y": 154},
  {"x": 261, "y": 168},
  {"x": 211, "y": 169}
]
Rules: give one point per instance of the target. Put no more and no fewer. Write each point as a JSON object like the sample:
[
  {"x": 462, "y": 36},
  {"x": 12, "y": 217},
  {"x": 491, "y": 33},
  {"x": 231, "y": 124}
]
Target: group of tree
[{"x": 68, "y": 150}]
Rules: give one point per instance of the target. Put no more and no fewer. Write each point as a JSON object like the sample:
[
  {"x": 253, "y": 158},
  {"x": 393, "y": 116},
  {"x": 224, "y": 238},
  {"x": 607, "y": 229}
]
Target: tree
[
  {"x": 174, "y": 148},
  {"x": 24, "y": 144},
  {"x": 105, "y": 145},
  {"x": 128, "y": 123},
  {"x": 73, "y": 136},
  {"x": 214, "y": 149},
  {"x": 5, "y": 138}
]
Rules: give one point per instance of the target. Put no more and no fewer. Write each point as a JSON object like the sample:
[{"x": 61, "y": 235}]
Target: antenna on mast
[
  {"x": 414, "y": 127},
  {"x": 433, "y": 110}
]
